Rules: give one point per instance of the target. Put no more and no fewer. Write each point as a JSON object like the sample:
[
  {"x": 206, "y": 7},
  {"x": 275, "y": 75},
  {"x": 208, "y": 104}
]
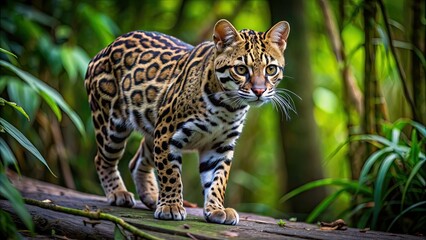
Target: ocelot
[{"x": 180, "y": 97}]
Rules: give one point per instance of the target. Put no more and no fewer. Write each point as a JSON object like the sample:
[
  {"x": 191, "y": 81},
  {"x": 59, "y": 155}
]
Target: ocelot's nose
[{"x": 258, "y": 91}]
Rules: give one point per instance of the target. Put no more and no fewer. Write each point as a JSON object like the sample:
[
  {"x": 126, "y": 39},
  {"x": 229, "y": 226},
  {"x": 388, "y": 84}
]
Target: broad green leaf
[
  {"x": 19, "y": 137},
  {"x": 15, "y": 106},
  {"x": 379, "y": 186},
  {"x": 43, "y": 87},
  {"x": 9, "y": 192}
]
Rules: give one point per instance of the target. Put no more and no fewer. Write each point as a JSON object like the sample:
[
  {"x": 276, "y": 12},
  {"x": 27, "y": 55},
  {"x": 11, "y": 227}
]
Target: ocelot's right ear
[{"x": 224, "y": 34}]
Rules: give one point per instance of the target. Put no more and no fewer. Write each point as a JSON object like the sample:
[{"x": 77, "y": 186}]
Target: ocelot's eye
[
  {"x": 271, "y": 70},
  {"x": 241, "y": 69}
]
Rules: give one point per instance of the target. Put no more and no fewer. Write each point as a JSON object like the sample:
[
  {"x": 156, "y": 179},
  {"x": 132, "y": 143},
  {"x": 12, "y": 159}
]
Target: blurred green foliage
[{"x": 56, "y": 39}]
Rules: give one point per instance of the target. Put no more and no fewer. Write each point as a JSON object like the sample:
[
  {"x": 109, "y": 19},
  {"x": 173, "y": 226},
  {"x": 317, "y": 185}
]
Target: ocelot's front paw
[
  {"x": 121, "y": 198},
  {"x": 222, "y": 216},
  {"x": 170, "y": 212}
]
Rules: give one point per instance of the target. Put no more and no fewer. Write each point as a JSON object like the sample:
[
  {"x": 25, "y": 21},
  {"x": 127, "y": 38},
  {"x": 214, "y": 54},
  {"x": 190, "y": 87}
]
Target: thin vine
[{"x": 93, "y": 215}]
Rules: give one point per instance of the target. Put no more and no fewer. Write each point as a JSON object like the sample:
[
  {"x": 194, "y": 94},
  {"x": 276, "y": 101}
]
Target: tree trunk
[
  {"x": 301, "y": 157},
  {"x": 417, "y": 70}
]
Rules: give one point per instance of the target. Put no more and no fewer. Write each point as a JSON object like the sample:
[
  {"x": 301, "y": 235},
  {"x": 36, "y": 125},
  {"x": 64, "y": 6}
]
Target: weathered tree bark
[{"x": 301, "y": 154}]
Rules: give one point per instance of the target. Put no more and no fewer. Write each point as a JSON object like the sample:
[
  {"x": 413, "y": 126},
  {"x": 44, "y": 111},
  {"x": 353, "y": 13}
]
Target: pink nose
[{"x": 258, "y": 91}]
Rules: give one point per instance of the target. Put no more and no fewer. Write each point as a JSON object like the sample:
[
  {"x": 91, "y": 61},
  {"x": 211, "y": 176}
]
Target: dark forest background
[{"x": 358, "y": 66}]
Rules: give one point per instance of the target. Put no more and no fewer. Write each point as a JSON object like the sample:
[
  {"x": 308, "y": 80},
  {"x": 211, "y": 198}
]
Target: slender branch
[
  {"x": 401, "y": 72},
  {"x": 92, "y": 215}
]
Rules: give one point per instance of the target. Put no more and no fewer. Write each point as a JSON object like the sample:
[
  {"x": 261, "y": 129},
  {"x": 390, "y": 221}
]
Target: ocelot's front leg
[
  {"x": 168, "y": 162},
  {"x": 214, "y": 171}
]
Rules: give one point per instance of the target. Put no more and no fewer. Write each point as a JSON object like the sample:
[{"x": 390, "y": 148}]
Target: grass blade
[
  {"x": 413, "y": 173},
  {"x": 348, "y": 184},
  {"x": 370, "y": 162},
  {"x": 414, "y": 206},
  {"x": 378, "y": 191},
  {"x": 325, "y": 203}
]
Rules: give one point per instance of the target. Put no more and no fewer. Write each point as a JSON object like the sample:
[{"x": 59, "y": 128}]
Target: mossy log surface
[{"x": 67, "y": 226}]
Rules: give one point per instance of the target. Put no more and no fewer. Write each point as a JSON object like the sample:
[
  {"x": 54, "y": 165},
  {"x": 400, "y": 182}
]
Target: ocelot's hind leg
[
  {"x": 142, "y": 169},
  {"x": 111, "y": 141}
]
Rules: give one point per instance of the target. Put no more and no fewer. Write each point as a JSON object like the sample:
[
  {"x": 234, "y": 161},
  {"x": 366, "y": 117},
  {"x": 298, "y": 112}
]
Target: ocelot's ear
[
  {"x": 278, "y": 34},
  {"x": 224, "y": 34}
]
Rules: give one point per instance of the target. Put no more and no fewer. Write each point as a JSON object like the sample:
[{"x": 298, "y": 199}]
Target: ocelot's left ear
[
  {"x": 278, "y": 34},
  {"x": 224, "y": 34}
]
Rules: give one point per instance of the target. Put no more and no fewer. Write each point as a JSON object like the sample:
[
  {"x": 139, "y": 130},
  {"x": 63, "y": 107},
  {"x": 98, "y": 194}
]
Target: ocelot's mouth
[{"x": 258, "y": 102}]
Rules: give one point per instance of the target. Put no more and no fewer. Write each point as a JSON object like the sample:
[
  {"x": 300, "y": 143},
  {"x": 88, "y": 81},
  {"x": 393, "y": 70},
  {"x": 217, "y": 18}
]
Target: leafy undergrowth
[{"x": 389, "y": 194}]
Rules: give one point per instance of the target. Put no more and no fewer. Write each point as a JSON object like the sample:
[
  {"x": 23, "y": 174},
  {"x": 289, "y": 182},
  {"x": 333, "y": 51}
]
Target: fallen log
[{"x": 49, "y": 221}]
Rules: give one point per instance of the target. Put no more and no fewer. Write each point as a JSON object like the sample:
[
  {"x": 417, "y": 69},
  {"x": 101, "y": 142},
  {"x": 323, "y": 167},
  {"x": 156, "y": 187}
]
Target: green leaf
[
  {"x": 413, "y": 173},
  {"x": 19, "y": 137},
  {"x": 2, "y": 50},
  {"x": 364, "y": 220},
  {"x": 379, "y": 187},
  {"x": 7, "y": 155},
  {"x": 118, "y": 234},
  {"x": 15, "y": 106},
  {"x": 52, "y": 93},
  {"x": 410, "y": 208},
  {"x": 68, "y": 62},
  {"x": 370, "y": 162},
  {"x": 81, "y": 60},
  {"x": 349, "y": 185},
  {"x": 395, "y": 135},
  {"x": 22, "y": 94},
  {"x": 9, "y": 192},
  {"x": 52, "y": 104},
  {"x": 325, "y": 203},
  {"x": 383, "y": 37}
]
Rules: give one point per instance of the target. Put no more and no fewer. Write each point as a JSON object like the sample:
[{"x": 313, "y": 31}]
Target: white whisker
[{"x": 284, "y": 101}]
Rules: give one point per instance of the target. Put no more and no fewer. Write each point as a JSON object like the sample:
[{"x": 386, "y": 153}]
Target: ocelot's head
[{"x": 250, "y": 64}]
